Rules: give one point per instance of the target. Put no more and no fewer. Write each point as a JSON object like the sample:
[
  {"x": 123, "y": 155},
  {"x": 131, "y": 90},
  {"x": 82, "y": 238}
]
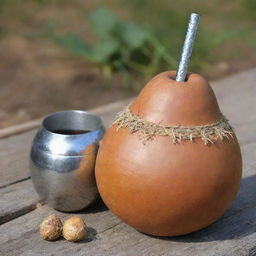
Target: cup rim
[{"x": 48, "y": 120}]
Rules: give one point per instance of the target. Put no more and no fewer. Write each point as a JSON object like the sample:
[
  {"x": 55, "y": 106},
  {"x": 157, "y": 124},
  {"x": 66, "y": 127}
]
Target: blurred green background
[{"x": 62, "y": 54}]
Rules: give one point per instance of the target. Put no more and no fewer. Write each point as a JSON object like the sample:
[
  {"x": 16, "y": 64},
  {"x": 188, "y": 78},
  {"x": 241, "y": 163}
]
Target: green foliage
[
  {"x": 103, "y": 22},
  {"x": 155, "y": 45},
  {"x": 121, "y": 46},
  {"x": 74, "y": 43},
  {"x": 251, "y": 8},
  {"x": 132, "y": 50},
  {"x": 132, "y": 35},
  {"x": 6, "y": 3}
]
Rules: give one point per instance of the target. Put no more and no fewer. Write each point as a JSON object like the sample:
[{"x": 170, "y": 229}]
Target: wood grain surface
[{"x": 234, "y": 234}]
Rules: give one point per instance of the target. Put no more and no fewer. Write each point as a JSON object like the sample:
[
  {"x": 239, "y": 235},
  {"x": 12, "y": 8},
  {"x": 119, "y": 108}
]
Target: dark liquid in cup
[{"x": 70, "y": 132}]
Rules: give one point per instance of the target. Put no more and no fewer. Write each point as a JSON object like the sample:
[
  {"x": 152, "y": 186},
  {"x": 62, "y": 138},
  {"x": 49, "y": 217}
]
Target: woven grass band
[{"x": 209, "y": 133}]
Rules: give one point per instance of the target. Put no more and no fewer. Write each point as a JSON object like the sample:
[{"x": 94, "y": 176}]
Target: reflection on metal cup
[{"x": 63, "y": 157}]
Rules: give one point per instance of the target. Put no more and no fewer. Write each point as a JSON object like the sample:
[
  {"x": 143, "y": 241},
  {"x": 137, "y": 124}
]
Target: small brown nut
[
  {"x": 51, "y": 228},
  {"x": 74, "y": 229}
]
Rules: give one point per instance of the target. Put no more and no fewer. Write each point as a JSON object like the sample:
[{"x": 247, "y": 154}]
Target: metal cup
[{"x": 63, "y": 157}]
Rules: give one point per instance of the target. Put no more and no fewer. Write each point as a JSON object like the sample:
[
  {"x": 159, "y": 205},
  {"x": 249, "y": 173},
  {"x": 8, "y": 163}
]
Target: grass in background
[
  {"x": 225, "y": 26},
  {"x": 121, "y": 46},
  {"x": 250, "y": 5},
  {"x": 222, "y": 22}
]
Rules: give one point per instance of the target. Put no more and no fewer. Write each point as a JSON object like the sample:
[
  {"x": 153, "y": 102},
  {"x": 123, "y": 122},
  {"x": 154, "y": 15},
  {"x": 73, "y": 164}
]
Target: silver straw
[{"x": 187, "y": 47}]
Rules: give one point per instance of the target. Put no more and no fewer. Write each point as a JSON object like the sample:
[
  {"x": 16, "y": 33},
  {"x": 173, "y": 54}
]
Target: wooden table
[{"x": 233, "y": 234}]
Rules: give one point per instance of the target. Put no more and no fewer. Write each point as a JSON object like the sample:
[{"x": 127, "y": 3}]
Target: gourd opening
[{"x": 173, "y": 78}]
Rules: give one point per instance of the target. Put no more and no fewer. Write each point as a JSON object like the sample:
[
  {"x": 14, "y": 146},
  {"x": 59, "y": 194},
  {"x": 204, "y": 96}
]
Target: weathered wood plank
[
  {"x": 235, "y": 95},
  {"x": 23, "y": 233},
  {"x": 26, "y": 198},
  {"x": 20, "y": 128},
  {"x": 234, "y": 234},
  {"x": 27, "y": 126},
  {"x": 14, "y": 169},
  {"x": 14, "y": 151},
  {"x": 16, "y": 200}
]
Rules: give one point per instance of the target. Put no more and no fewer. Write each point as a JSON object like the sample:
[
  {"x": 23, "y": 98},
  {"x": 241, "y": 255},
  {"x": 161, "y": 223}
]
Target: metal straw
[{"x": 187, "y": 47}]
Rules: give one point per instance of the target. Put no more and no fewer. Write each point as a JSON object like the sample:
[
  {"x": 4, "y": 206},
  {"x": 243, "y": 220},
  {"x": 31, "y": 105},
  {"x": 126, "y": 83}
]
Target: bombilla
[{"x": 187, "y": 47}]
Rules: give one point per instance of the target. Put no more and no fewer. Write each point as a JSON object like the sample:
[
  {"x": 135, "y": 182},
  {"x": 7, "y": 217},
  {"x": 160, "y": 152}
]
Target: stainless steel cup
[{"x": 63, "y": 157}]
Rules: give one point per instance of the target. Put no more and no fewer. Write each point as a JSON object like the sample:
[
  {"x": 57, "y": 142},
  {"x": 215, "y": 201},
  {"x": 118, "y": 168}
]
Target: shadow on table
[
  {"x": 92, "y": 235},
  {"x": 97, "y": 206},
  {"x": 239, "y": 221}
]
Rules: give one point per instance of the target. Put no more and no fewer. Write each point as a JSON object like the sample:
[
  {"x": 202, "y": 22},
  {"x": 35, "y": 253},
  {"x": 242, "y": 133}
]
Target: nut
[
  {"x": 74, "y": 229},
  {"x": 51, "y": 228}
]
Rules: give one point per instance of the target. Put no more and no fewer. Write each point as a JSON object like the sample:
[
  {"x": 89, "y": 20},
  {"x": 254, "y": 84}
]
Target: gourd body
[{"x": 166, "y": 189}]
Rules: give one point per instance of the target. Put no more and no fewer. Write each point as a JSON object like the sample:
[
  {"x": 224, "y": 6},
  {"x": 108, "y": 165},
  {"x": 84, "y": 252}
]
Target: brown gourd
[{"x": 175, "y": 182}]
